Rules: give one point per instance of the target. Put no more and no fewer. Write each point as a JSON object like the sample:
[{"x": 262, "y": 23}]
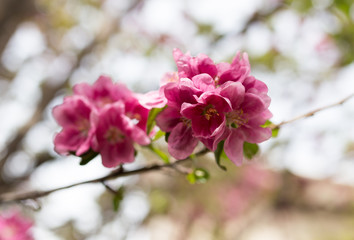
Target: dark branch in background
[
  {"x": 11, "y": 197},
  {"x": 313, "y": 112}
]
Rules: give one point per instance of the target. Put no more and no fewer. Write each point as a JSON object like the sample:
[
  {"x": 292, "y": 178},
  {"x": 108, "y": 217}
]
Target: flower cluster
[
  {"x": 105, "y": 118},
  {"x": 216, "y": 104},
  {"x": 15, "y": 227},
  {"x": 213, "y": 103}
]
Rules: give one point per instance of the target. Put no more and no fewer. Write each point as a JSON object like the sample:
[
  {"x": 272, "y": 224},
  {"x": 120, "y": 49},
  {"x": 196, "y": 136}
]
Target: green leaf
[
  {"x": 191, "y": 178},
  {"x": 151, "y": 118},
  {"x": 199, "y": 175},
  {"x": 269, "y": 124},
  {"x": 158, "y": 135},
  {"x": 87, "y": 157},
  {"x": 275, "y": 132},
  {"x": 118, "y": 197},
  {"x": 218, "y": 155},
  {"x": 250, "y": 149},
  {"x": 159, "y": 153}
]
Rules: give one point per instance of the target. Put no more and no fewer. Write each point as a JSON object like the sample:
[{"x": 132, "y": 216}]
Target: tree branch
[
  {"x": 17, "y": 197},
  {"x": 313, "y": 112}
]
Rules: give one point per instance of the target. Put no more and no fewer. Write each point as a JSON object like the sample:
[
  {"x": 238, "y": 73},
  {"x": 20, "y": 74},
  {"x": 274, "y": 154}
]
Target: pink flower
[
  {"x": 249, "y": 112},
  {"x": 74, "y": 116},
  {"x": 15, "y": 227},
  {"x": 180, "y": 92},
  {"x": 103, "y": 92},
  {"x": 237, "y": 71},
  {"x": 189, "y": 66},
  {"x": 181, "y": 141},
  {"x": 207, "y": 115},
  {"x": 116, "y": 134},
  {"x": 104, "y": 117}
]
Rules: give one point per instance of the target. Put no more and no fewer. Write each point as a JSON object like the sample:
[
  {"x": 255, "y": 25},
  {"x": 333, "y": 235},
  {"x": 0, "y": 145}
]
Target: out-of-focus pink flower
[
  {"x": 74, "y": 116},
  {"x": 15, "y": 227},
  {"x": 103, "y": 92},
  {"x": 104, "y": 117},
  {"x": 115, "y": 136}
]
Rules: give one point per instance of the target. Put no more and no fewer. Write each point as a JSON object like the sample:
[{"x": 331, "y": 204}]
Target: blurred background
[{"x": 299, "y": 187}]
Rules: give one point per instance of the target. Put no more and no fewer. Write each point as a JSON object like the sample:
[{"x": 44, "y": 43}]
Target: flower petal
[
  {"x": 252, "y": 105},
  {"x": 69, "y": 140},
  {"x": 235, "y": 92},
  {"x": 256, "y": 134},
  {"x": 233, "y": 147},
  {"x": 115, "y": 154},
  {"x": 204, "y": 82},
  {"x": 168, "y": 119},
  {"x": 181, "y": 143}
]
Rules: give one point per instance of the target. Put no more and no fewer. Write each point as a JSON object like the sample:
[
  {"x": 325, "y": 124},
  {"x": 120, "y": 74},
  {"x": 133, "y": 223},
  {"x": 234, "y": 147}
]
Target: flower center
[
  {"x": 235, "y": 118},
  {"x": 210, "y": 112},
  {"x": 114, "y": 135},
  {"x": 186, "y": 121}
]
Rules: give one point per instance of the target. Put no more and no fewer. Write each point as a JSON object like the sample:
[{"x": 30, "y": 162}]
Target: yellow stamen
[{"x": 210, "y": 112}]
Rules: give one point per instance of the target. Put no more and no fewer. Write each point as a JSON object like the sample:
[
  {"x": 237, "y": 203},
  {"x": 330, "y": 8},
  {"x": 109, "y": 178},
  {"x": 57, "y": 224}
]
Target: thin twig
[
  {"x": 10, "y": 197},
  {"x": 313, "y": 112},
  {"x": 109, "y": 188}
]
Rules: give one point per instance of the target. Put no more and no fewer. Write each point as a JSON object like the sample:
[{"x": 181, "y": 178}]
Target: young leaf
[
  {"x": 151, "y": 118},
  {"x": 218, "y": 154},
  {"x": 159, "y": 153},
  {"x": 87, "y": 157},
  {"x": 158, "y": 135},
  {"x": 191, "y": 178},
  {"x": 250, "y": 149},
  {"x": 269, "y": 124},
  {"x": 199, "y": 175},
  {"x": 275, "y": 132},
  {"x": 118, "y": 197}
]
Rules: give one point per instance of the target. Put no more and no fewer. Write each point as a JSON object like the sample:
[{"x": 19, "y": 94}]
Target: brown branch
[
  {"x": 17, "y": 197},
  {"x": 313, "y": 112}
]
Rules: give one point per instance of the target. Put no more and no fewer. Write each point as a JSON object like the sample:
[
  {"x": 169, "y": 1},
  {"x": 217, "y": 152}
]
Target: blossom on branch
[
  {"x": 220, "y": 105},
  {"x": 213, "y": 103},
  {"x": 106, "y": 118}
]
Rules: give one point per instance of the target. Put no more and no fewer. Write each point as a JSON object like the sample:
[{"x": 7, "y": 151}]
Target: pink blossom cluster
[
  {"x": 204, "y": 102},
  {"x": 13, "y": 226},
  {"x": 106, "y": 118},
  {"x": 210, "y": 103}
]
